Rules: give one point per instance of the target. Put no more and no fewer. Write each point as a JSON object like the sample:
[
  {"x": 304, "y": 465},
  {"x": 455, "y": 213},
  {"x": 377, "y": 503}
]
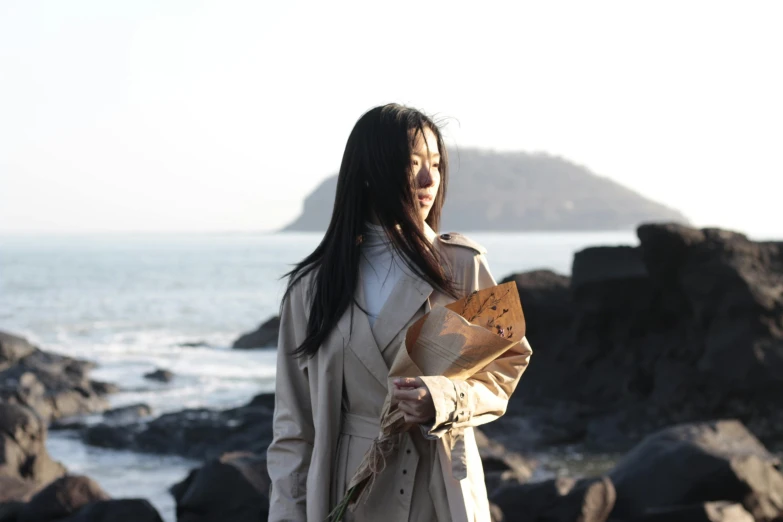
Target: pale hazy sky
[{"x": 222, "y": 115}]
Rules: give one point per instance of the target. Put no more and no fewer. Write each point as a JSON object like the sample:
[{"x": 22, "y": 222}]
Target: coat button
[
  {"x": 461, "y": 395},
  {"x": 408, "y": 452},
  {"x": 402, "y": 492},
  {"x": 405, "y": 472},
  {"x": 445, "y": 237}
]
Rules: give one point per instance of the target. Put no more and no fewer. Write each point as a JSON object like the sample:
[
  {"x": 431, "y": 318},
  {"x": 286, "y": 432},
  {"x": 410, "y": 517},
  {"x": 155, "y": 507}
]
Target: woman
[{"x": 380, "y": 267}]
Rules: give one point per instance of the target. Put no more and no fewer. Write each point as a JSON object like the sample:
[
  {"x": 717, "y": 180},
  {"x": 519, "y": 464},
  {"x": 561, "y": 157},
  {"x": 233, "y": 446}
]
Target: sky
[{"x": 172, "y": 115}]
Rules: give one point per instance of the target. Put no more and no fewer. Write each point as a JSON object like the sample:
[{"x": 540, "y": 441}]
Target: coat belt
[{"x": 360, "y": 426}]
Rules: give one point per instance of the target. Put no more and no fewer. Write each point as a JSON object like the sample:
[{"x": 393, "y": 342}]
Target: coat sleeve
[
  {"x": 288, "y": 456},
  {"x": 484, "y": 396}
]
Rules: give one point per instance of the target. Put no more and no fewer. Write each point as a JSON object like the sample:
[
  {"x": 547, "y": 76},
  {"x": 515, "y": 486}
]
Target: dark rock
[
  {"x": 127, "y": 414},
  {"x": 53, "y": 385},
  {"x": 685, "y": 327},
  {"x": 546, "y": 301},
  {"x": 111, "y": 435},
  {"x": 118, "y": 510},
  {"x": 707, "y": 512},
  {"x": 195, "y": 433},
  {"x": 697, "y": 463},
  {"x": 104, "y": 388},
  {"x": 9, "y": 511},
  {"x": 566, "y": 500},
  {"x": 195, "y": 344},
  {"x": 160, "y": 375},
  {"x": 62, "y": 498},
  {"x": 23, "y": 452},
  {"x": 233, "y": 487},
  {"x": 265, "y": 336}
]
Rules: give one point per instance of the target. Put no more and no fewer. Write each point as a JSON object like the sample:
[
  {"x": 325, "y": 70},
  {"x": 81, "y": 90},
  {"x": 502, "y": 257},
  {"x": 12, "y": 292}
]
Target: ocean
[{"x": 130, "y": 301}]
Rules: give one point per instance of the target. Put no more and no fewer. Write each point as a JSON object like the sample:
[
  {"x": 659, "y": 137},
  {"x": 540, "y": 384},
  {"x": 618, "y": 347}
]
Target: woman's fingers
[
  {"x": 409, "y": 394},
  {"x": 411, "y": 413},
  {"x": 417, "y": 409},
  {"x": 408, "y": 382}
]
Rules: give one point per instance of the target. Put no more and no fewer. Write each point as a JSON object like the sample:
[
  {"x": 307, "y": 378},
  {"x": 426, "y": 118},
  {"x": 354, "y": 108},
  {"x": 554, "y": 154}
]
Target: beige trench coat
[{"x": 308, "y": 395}]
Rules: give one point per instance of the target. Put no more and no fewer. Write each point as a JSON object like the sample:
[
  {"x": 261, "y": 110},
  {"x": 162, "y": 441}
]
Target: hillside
[{"x": 518, "y": 191}]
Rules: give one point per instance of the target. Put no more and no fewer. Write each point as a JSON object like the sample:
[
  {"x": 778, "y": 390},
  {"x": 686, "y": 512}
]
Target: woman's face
[{"x": 425, "y": 162}]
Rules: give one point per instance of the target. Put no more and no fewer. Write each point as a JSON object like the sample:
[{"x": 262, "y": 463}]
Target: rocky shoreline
[{"x": 670, "y": 352}]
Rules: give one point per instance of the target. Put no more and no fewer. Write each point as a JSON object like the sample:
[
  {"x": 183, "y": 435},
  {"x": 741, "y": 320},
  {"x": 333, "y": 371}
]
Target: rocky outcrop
[
  {"x": 265, "y": 336},
  {"x": 196, "y": 433},
  {"x": 686, "y": 326},
  {"x": 24, "y": 461},
  {"x": 234, "y": 486},
  {"x": 53, "y": 385},
  {"x": 708, "y": 471}
]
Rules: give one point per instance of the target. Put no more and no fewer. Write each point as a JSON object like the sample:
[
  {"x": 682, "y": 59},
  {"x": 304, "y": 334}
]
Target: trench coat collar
[{"x": 408, "y": 295}]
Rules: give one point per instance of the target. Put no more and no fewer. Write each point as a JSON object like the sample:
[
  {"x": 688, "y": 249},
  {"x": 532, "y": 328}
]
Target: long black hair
[{"x": 375, "y": 179}]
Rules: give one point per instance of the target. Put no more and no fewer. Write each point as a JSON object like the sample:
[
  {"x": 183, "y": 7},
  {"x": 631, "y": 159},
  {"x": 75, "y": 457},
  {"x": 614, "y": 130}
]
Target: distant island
[{"x": 516, "y": 192}]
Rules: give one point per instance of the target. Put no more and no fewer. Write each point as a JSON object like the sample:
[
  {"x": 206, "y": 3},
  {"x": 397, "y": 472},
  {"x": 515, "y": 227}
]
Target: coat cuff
[{"x": 449, "y": 396}]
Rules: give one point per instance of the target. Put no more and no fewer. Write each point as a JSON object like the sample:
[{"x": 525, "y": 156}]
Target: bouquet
[{"x": 455, "y": 341}]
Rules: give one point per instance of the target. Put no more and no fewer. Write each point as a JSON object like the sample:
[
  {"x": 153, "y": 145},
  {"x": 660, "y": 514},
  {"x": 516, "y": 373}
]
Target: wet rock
[
  {"x": 127, "y": 414},
  {"x": 233, "y": 487},
  {"x": 62, "y": 498},
  {"x": 265, "y": 336},
  {"x": 53, "y": 385},
  {"x": 697, "y": 463},
  {"x": 160, "y": 375},
  {"x": 23, "y": 452},
  {"x": 196, "y": 433},
  {"x": 104, "y": 388}
]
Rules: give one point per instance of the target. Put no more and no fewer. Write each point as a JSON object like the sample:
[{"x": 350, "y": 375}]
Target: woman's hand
[{"x": 414, "y": 399}]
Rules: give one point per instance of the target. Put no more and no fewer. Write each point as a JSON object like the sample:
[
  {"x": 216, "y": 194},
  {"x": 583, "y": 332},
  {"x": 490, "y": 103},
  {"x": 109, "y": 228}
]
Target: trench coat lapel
[
  {"x": 405, "y": 300},
  {"x": 360, "y": 339}
]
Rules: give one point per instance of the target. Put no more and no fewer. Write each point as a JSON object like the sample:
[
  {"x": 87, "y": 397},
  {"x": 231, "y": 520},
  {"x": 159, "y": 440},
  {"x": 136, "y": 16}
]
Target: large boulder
[
  {"x": 53, "y": 385},
  {"x": 233, "y": 487},
  {"x": 265, "y": 336},
  {"x": 23, "y": 452},
  {"x": 696, "y": 463},
  {"x": 62, "y": 498}
]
